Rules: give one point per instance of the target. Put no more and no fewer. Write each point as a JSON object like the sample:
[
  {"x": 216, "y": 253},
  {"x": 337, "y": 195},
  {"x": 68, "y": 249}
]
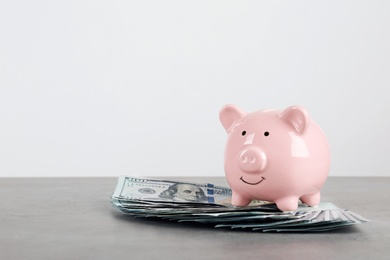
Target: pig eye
[
  {"x": 266, "y": 133},
  {"x": 243, "y": 133}
]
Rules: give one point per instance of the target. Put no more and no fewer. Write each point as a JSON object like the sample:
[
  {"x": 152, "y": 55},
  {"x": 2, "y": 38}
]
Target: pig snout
[{"x": 252, "y": 159}]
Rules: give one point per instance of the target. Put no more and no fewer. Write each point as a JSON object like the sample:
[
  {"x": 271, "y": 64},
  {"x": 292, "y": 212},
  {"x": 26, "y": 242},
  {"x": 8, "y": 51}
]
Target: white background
[{"x": 104, "y": 88}]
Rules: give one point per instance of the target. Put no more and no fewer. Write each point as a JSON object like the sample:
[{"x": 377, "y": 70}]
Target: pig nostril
[
  {"x": 244, "y": 159},
  {"x": 253, "y": 159}
]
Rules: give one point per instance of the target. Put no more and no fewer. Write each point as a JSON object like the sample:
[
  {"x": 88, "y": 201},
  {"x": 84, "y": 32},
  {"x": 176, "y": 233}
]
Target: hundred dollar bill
[
  {"x": 210, "y": 204},
  {"x": 140, "y": 189}
]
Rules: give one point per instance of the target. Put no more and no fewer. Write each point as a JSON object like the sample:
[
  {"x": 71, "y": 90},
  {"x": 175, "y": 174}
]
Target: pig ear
[
  {"x": 297, "y": 117},
  {"x": 230, "y": 114}
]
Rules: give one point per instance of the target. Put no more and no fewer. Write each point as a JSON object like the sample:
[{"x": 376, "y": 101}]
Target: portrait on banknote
[{"x": 183, "y": 191}]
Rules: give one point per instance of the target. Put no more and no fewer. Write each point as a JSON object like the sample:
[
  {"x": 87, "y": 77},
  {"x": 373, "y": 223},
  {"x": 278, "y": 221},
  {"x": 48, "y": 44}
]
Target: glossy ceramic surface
[{"x": 274, "y": 155}]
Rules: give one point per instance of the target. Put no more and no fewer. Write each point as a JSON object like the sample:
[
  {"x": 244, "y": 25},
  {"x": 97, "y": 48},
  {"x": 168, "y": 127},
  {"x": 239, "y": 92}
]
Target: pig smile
[{"x": 252, "y": 183}]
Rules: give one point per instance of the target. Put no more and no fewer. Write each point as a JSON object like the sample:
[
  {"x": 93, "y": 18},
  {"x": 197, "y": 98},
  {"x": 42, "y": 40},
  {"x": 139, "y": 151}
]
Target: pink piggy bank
[{"x": 272, "y": 155}]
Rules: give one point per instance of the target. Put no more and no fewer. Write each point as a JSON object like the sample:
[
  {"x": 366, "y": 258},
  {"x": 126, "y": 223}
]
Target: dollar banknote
[
  {"x": 207, "y": 203},
  {"x": 140, "y": 189}
]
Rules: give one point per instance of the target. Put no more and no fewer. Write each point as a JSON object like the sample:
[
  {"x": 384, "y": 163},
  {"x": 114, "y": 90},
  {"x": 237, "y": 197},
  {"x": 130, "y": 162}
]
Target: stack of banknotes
[{"x": 210, "y": 204}]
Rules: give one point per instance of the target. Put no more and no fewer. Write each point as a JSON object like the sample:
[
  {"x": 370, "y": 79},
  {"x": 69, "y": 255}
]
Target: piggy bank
[{"x": 274, "y": 155}]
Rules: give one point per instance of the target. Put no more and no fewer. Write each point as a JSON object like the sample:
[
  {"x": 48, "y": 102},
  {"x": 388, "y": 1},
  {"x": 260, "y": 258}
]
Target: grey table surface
[{"x": 72, "y": 218}]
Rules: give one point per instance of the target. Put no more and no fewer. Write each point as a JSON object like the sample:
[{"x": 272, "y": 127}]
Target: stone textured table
[{"x": 72, "y": 218}]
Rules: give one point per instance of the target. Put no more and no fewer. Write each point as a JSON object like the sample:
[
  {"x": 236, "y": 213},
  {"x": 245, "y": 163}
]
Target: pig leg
[
  {"x": 287, "y": 203},
  {"x": 239, "y": 200},
  {"x": 312, "y": 199}
]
